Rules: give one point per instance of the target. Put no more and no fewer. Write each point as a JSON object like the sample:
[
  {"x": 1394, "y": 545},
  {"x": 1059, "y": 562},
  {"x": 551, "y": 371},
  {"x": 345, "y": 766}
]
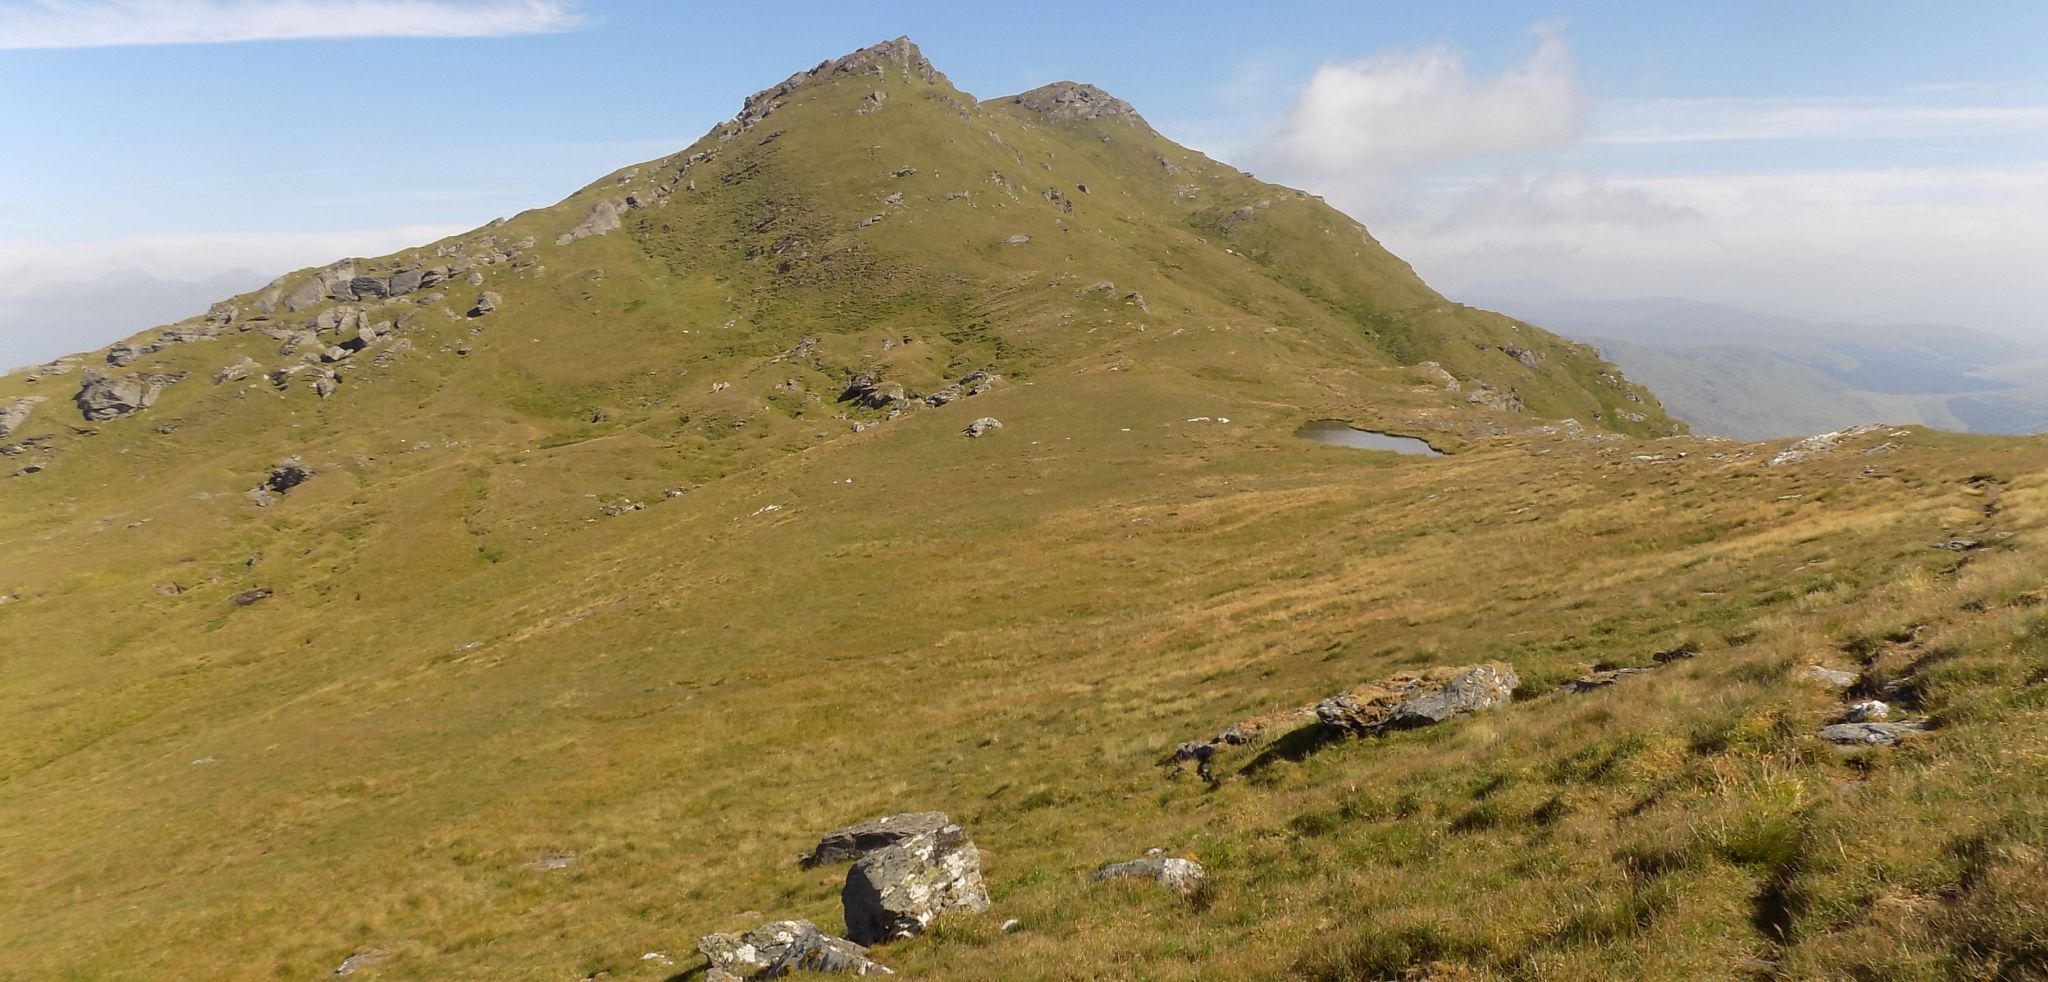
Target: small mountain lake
[{"x": 1344, "y": 434}]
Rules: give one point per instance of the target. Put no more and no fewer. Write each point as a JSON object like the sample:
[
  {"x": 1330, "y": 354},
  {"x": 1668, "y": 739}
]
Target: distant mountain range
[{"x": 1743, "y": 374}]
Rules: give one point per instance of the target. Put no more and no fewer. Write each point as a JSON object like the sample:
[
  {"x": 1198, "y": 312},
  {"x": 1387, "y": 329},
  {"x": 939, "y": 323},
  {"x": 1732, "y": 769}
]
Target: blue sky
[{"x": 1859, "y": 161}]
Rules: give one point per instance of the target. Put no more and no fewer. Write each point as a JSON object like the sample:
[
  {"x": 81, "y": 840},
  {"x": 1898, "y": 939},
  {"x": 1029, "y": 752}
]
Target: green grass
[{"x": 468, "y": 666}]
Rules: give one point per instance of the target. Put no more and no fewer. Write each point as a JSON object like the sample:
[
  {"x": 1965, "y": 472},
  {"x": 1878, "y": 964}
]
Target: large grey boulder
[
  {"x": 1871, "y": 734},
  {"x": 14, "y": 412},
  {"x": 781, "y": 948},
  {"x": 102, "y": 398},
  {"x": 1831, "y": 677},
  {"x": 370, "y": 287},
  {"x": 1419, "y": 699},
  {"x": 855, "y": 841},
  {"x": 899, "y": 890},
  {"x": 602, "y": 217},
  {"x": 982, "y": 427},
  {"x": 404, "y": 282},
  {"x": 237, "y": 371},
  {"x": 486, "y": 302},
  {"x": 1182, "y": 876},
  {"x": 121, "y": 354}
]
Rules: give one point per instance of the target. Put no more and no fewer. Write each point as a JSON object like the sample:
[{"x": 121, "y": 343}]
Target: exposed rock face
[
  {"x": 1870, "y": 734},
  {"x": 1422, "y": 699},
  {"x": 1830, "y": 676},
  {"x": 982, "y": 427},
  {"x": 897, "y": 891},
  {"x": 855, "y": 841},
  {"x": 899, "y": 53},
  {"x": 121, "y": 354},
  {"x": 102, "y": 398},
  {"x": 1182, "y": 876},
  {"x": 287, "y": 475},
  {"x": 237, "y": 371},
  {"x": 486, "y": 302},
  {"x": 1819, "y": 445},
  {"x": 248, "y": 598},
  {"x": 1523, "y": 355},
  {"x": 1078, "y": 100},
  {"x": 782, "y": 948},
  {"x": 14, "y": 412},
  {"x": 331, "y": 283},
  {"x": 366, "y": 958},
  {"x": 1492, "y": 398},
  {"x": 603, "y": 217},
  {"x": 1396, "y": 702}
]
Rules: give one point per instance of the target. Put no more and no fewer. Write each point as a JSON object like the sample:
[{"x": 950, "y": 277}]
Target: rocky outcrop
[
  {"x": 899, "y": 890},
  {"x": 101, "y": 398},
  {"x": 330, "y": 283},
  {"x": 288, "y": 474},
  {"x": 1419, "y": 699},
  {"x": 982, "y": 427},
  {"x": 14, "y": 412},
  {"x": 1182, "y": 876},
  {"x": 899, "y": 53},
  {"x": 237, "y": 371},
  {"x": 1495, "y": 399},
  {"x": 1598, "y": 680},
  {"x": 486, "y": 302},
  {"x": 603, "y": 217},
  {"x": 1831, "y": 677},
  {"x": 855, "y": 841},
  {"x": 1078, "y": 101},
  {"x": 1818, "y": 445},
  {"x": 1396, "y": 702},
  {"x": 784, "y": 948},
  {"x": 1871, "y": 734}
]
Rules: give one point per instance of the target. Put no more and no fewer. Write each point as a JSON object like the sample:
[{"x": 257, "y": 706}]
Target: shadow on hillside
[{"x": 1293, "y": 747}]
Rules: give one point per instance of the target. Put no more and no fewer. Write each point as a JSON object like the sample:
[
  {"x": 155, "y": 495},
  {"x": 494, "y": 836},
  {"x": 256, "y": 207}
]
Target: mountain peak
[
  {"x": 875, "y": 60},
  {"x": 1077, "y": 100}
]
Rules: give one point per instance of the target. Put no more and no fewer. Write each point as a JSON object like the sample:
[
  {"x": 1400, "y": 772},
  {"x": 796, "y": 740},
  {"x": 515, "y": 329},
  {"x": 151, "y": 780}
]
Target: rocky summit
[{"x": 518, "y": 605}]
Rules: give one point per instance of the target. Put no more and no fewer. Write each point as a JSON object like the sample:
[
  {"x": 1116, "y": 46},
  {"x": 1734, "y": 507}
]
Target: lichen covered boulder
[
  {"x": 1419, "y": 699},
  {"x": 855, "y": 841},
  {"x": 899, "y": 890},
  {"x": 781, "y": 948},
  {"x": 1182, "y": 876}
]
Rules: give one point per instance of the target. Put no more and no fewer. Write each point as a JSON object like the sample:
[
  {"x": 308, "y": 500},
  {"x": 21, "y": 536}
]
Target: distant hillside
[{"x": 1748, "y": 375}]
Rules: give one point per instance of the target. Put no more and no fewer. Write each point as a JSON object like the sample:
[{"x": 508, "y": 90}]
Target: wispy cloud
[
  {"x": 1641, "y": 121},
  {"x": 26, "y": 24}
]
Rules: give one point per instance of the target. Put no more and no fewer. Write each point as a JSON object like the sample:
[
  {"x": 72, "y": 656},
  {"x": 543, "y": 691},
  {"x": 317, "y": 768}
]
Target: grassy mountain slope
[{"x": 476, "y": 655}]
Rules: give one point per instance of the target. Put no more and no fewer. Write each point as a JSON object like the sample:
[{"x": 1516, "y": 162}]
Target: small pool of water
[{"x": 1344, "y": 434}]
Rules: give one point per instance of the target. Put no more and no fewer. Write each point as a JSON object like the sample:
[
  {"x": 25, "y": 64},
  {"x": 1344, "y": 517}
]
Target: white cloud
[
  {"x": 1650, "y": 121},
  {"x": 1521, "y": 202},
  {"x": 112, "y": 23},
  {"x": 1392, "y": 114},
  {"x": 1957, "y": 245}
]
